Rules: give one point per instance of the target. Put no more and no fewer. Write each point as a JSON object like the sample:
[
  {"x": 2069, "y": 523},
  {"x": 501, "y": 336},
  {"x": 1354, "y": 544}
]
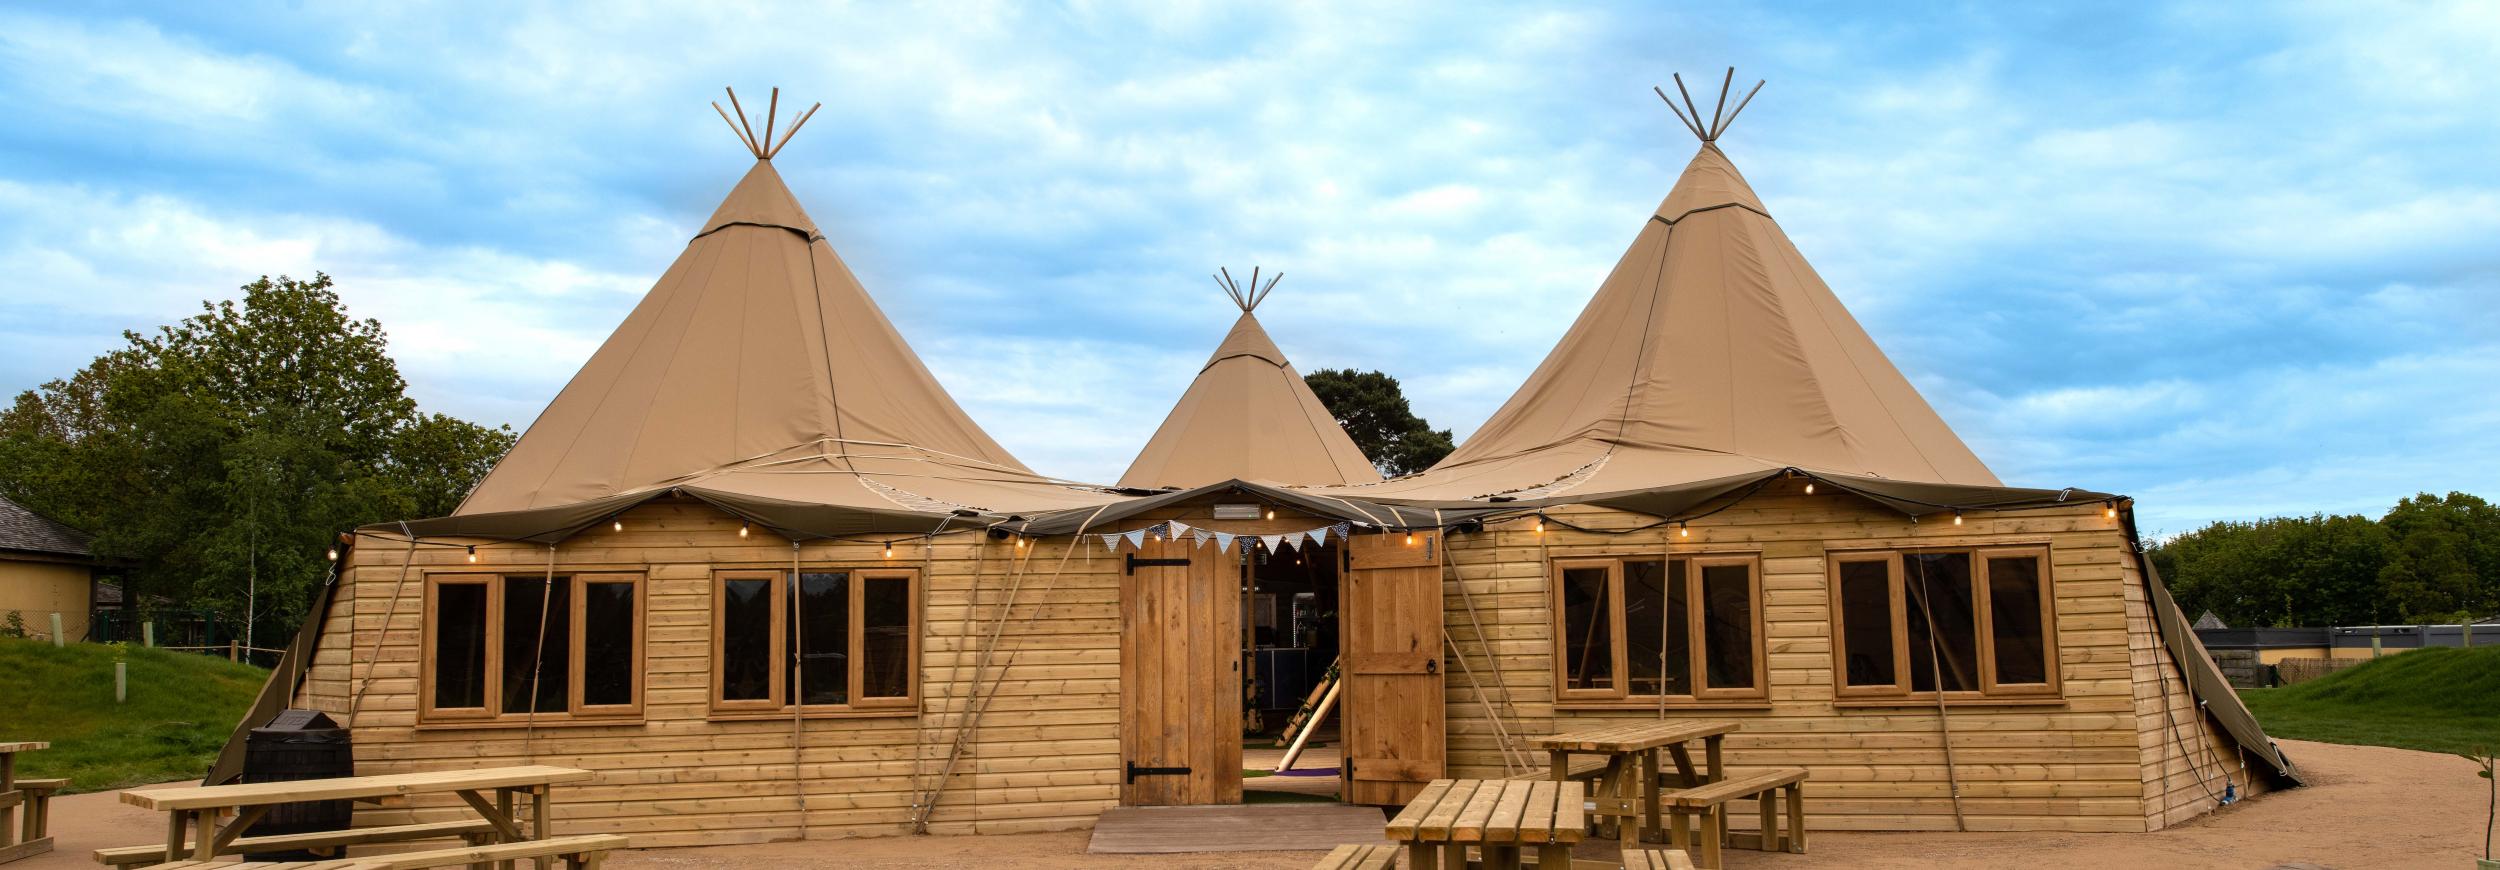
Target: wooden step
[{"x": 1354, "y": 857}]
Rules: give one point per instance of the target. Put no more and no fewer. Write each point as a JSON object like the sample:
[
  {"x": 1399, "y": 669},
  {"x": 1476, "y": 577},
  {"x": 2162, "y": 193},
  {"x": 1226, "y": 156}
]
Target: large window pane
[
  {"x": 608, "y": 626},
  {"x": 459, "y": 646},
  {"x": 1644, "y": 625},
  {"x": 820, "y": 629},
  {"x": 1939, "y": 585},
  {"x": 1866, "y": 621},
  {"x": 537, "y": 644},
  {"x": 1727, "y": 625},
  {"x": 1588, "y": 642},
  {"x": 2014, "y": 613},
  {"x": 746, "y": 665},
  {"x": 885, "y": 644}
]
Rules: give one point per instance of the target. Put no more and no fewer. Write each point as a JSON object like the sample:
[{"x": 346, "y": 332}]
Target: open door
[
  {"x": 1390, "y": 631},
  {"x": 1180, "y": 675}
]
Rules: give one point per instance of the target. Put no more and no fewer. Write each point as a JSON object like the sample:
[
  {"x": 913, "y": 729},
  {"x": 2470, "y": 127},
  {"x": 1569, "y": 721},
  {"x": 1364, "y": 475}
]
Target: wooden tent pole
[
  {"x": 733, "y": 129},
  {"x": 772, "y": 109},
  {"x": 1662, "y": 95},
  {"x": 538, "y": 660},
  {"x": 1715, "y": 128},
  {"x": 1944, "y": 727},
  {"x": 1679, "y": 88},
  {"x": 1501, "y": 730},
  {"x": 356, "y": 703},
  {"x": 742, "y": 122},
  {"x": 793, "y": 132},
  {"x": 1741, "y": 104},
  {"x": 798, "y": 687}
]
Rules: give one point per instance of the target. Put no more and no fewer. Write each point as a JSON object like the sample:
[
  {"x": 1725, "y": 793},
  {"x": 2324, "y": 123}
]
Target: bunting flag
[
  {"x": 1201, "y": 535},
  {"x": 1319, "y": 535},
  {"x": 1136, "y": 538},
  {"x": 1178, "y": 529},
  {"x": 1272, "y": 541},
  {"x": 1111, "y": 542},
  {"x": 1342, "y": 529},
  {"x": 1223, "y": 541}
]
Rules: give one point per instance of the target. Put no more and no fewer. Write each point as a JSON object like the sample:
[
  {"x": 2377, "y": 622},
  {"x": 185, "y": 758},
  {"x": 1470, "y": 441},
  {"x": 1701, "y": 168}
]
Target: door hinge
[
  {"x": 1135, "y": 563},
  {"x": 1135, "y": 771}
]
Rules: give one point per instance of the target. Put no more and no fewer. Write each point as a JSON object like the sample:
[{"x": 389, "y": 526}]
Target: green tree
[
  {"x": 218, "y": 455},
  {"x": 2284, "y": 571},
  {"x": 2447, "y": 560},
  {"x": 1374, "y": 412}
]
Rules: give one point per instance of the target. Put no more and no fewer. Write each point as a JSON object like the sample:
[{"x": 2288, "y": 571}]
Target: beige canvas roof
[
  {"x": 759, "y": 371},
  {"x": 1248, "y": 416},
  {"x": 1712, "y": 350}
]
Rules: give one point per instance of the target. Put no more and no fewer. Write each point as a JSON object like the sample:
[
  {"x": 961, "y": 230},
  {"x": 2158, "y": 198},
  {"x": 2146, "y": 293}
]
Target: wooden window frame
[
  {"x": 578, "y": 618},
  {"x": 778, "y": 654},
  {"x": 1620, "y": 694},
  {"x": 1983, "y": 626}
]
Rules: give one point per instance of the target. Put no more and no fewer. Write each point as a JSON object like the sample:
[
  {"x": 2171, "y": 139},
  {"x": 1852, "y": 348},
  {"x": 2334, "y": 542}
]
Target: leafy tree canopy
[
  {"x": 2430, "y": 559},
  {"x": 232, "y": 445},
  {"x": 1373, "y": 410}
]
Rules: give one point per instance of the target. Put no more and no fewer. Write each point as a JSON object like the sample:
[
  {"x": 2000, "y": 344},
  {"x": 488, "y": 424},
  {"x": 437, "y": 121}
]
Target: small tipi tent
[{"x": 1248, "y": 416}]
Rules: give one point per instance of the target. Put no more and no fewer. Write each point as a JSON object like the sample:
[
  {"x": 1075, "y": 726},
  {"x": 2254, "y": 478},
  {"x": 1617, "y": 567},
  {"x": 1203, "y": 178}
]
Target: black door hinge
[
  {"x": 1135, "y": 563},
  {"x": 1135, "y": 771}
]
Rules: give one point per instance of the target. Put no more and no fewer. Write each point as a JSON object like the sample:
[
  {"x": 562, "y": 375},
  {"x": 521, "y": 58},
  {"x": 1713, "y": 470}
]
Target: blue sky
[{"x": 2235, "y": 260}]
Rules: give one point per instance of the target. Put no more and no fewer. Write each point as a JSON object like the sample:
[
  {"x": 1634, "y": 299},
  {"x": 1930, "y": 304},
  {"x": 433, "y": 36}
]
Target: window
[
  {"x": 510, "y": 647},
  {"x": 1968, "y": 622},
  {"x": 1633, "y": 628},
  {"x": 836, "y": 639}
]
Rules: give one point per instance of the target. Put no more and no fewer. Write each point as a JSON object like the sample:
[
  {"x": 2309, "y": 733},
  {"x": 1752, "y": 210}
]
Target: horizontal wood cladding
[
  {"x": 1045, "y": 754},
  {"x": 2103, "y": 756},
  {"x": 2078, "y": 762}
]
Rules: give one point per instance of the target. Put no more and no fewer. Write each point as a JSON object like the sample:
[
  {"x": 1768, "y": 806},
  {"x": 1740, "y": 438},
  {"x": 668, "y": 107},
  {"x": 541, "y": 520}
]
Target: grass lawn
[
  {"x": 2438, "y": 699},
  {"x": 180, "y": 711}
]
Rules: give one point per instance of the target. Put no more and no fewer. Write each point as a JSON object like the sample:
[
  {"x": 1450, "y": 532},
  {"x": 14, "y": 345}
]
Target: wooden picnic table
[
  {"x": 199, "y": 806},
  {"x": 34, "y": 842},
  {"x": 1631, "y": 791},
  {"x": 1500, "y": 817}
]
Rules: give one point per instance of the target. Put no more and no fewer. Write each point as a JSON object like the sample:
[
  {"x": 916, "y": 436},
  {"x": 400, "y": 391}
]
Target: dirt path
[{"x": 2369, "y": 807}]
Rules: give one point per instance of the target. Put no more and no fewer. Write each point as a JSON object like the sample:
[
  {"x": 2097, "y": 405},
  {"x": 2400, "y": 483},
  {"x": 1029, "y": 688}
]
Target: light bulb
[
  {"x": 889, "y": 549},
  {"x": 472, "y": 554},
  {"x": 1019, "y": 542},
  {"x": 619, "y": 525},
  {"x": 1410, "y": 537},
  {"x": 1540, "y": 525},
  {"x": 334, "y": 554},
  {"x": 1809, "y": 487},
  {"x": 742, "y": 530},
  {"x": 1957, "y": 518},
  {"x": 1683, "y": 531},
  {"x": 2109, "y": 511},
  {"x": 1271, "y": 513}
]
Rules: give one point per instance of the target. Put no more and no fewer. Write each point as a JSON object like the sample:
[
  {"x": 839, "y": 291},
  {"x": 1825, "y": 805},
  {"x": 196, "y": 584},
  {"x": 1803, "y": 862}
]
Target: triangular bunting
[
  {"x": 1319, "y": 535},
  {"x": 1111, "y": 542},
  {"x": 1201, "y": 535},
  {"x": 1136, "y": 538},
  {"x": 1271, "y": 541},
  {"x": 1223, "y": 541}
]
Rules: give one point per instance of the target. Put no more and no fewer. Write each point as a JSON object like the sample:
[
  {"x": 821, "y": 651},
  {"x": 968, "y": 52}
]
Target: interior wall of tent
[
  {"x": 2116, "y": 744},
  {"x": 1043, "y": 752}
]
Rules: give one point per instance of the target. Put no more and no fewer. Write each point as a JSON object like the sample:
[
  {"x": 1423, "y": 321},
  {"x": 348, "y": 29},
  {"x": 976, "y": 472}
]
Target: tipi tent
[
  {"x": 757, "y": 570},
  {"x": 1248, "y": 416}
]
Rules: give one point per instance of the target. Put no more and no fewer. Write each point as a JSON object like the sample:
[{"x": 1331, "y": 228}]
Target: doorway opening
[{"x": 1291, "y": 751}]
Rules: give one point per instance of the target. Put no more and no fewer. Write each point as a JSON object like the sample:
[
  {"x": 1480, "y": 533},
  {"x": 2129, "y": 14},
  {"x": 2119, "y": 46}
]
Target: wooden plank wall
[
  {"x": 1044, "y": 757},
  {"x": 2078, "y": 765},
  {"x": 2188, "y": 759}
]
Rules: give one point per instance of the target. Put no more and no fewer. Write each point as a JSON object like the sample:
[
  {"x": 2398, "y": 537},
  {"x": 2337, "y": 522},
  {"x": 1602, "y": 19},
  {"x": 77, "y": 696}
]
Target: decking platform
[{"x": 1235, "y": 828}]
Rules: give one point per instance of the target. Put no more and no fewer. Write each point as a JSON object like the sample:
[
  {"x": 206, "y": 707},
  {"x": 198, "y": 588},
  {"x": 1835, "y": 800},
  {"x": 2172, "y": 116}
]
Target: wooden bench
[
  {"x": 1656, "y": 859},
  {"x": 1708, "y": 805},
  {"x": 582, "y": 851},
  {"x": 1352, "y": 857},
  {"x": 471, "y": 829},
  {"x": 38, "y": 811},
  {"x": 1584, "y": 769}
]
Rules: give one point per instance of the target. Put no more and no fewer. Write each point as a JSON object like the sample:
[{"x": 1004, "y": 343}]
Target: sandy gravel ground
[{"x": 2369, "y": 807}]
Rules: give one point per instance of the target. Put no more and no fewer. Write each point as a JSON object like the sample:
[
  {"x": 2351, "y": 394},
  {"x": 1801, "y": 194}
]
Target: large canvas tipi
[{"x": 1248, "y": 416}]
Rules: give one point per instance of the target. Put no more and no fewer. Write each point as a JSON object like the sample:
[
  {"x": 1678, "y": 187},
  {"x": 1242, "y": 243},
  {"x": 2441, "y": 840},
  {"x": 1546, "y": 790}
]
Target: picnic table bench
[
  {"x": 583, "y": 852},
  {"x": 1500, "y": 818},
  {"x": 32, "y": 838},
  {"x": 195, "y": 808},
  {"x": 1630, "y": 790}
]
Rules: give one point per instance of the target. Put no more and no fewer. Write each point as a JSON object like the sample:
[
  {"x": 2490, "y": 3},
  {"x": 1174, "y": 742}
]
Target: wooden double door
[
  {"x": 1181, "y": 657},
  {"x": 1180, "y": 675}
]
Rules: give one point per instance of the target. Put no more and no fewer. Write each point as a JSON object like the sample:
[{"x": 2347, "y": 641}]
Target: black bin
[{"x": 297, "y": 745}]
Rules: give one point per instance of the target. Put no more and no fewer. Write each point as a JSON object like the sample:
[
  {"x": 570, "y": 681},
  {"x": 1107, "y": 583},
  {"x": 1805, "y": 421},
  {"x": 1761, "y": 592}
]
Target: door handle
[{"x": 1432, "y": 666}]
